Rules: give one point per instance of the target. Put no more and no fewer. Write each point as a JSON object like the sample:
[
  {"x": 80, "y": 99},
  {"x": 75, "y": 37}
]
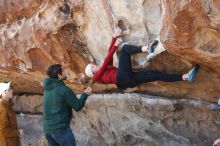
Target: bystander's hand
[
  {"x": 217, "y": 142},
  {"x": 21, "y": 131}
]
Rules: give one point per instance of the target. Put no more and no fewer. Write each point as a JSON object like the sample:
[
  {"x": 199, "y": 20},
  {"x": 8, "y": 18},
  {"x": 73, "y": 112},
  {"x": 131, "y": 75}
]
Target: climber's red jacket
[{"x": 107, "y": 72}]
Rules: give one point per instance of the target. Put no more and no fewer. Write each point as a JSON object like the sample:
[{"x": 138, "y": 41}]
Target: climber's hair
[{"x": 54, "y": 70}]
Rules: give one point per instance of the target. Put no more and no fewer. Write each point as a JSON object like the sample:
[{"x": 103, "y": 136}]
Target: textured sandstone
[
  {"x": 136, "y": 120},
  {"x": 37, "y": 33},
  {"x": 76, "y": 33},
  {"x": 191, "y": 30}
]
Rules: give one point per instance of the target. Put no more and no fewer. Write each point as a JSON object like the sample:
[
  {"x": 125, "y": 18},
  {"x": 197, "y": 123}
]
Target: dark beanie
[{"x": 54, "y": 70}]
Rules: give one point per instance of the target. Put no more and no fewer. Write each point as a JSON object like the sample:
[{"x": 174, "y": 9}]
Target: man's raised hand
[{"x": 88, "y": 90}]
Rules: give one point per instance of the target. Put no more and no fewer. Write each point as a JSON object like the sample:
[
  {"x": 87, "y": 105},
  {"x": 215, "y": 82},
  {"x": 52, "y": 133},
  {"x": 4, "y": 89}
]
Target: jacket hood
[{"x": 51, "y": 83}]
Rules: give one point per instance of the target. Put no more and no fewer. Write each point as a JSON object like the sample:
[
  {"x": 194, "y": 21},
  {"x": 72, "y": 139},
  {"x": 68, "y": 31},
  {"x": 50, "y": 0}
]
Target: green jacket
[{"x": 58, "y": 103}]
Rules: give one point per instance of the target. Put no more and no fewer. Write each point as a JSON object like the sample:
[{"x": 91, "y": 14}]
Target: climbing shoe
[
  {"x": 192, "y": 73},
  {"x": 152, "y": 46}
]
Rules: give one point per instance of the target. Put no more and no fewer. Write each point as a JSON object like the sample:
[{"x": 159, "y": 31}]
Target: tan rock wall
[
  {"x": 190, "y": 30},
  {"x": 134, "y": 120},
  {"x": 77, "y": 32},
  {"x": 36, "y": 34}
]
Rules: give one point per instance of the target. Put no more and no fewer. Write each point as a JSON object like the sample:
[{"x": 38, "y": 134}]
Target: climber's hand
[{"x": 117, "y": 32}]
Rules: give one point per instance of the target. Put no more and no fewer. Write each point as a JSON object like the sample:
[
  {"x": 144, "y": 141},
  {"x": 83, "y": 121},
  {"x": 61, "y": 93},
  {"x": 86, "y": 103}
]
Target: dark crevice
[
  {"x": 28, "y": 94},
  {"x": 29, "y": 113}
]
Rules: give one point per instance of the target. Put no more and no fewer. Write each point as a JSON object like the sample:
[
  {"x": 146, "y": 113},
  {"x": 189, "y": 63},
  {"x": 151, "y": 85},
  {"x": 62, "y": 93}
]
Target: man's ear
[{"x": 59, "y": 75}]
